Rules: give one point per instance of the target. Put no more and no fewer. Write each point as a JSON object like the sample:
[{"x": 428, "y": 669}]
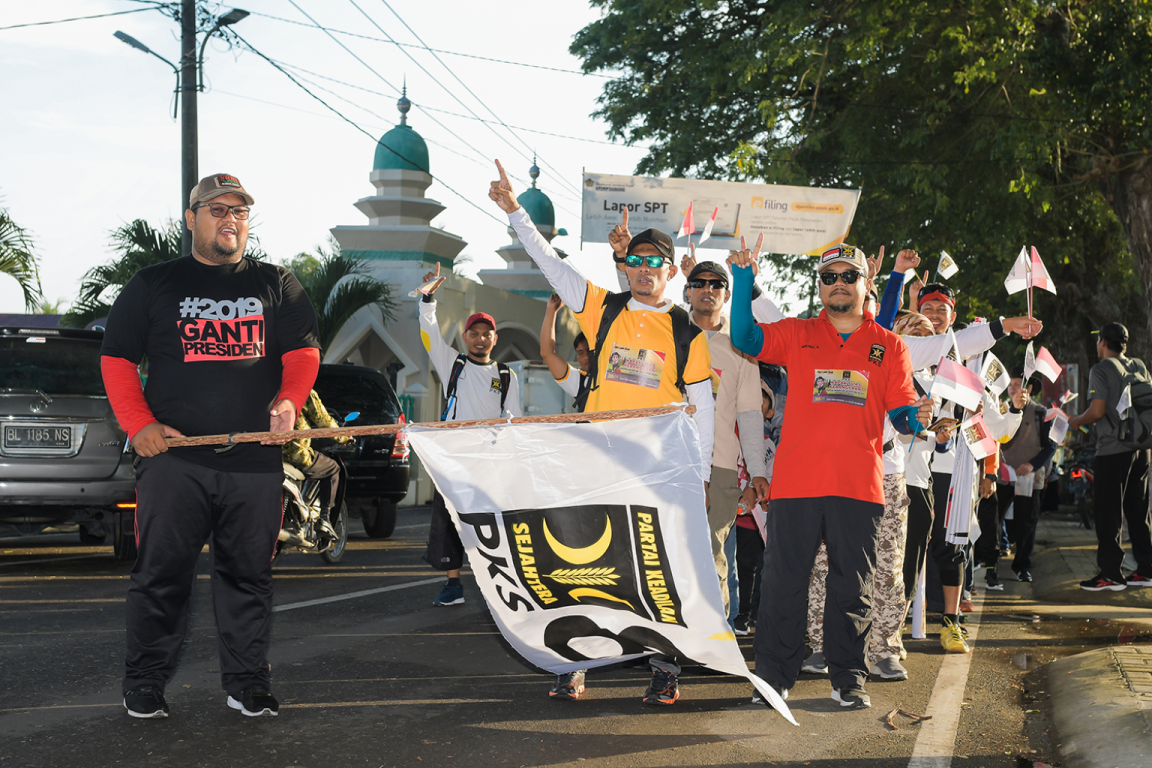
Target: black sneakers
[
  {"x": 146, "y": 701},
  {"x": 663, "y": 689},
  {"x": 1024, "y": 576},
  {"x": 992, "y": 581},
  {"x": 1100, "y": 583},
  {"x": 851, "y": 698},
  {"x": 741, "y": 625},
  {"x": 569, "y": 686},
  {"x": 758, "y": 698},
  {"x": 255, "y": 701}
]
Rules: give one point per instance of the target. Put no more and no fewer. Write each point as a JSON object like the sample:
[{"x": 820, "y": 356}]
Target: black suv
[
  {"x": 63, "y": 456},
  {"x": 378, "y": 468}
]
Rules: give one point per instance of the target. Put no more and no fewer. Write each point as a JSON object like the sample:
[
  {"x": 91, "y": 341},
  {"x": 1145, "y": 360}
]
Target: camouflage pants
[{"x": 887, "y": 586}]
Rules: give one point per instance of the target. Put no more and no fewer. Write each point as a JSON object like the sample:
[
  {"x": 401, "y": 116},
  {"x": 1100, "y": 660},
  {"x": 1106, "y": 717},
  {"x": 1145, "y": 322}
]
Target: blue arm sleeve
[
  {"x": 890, "y": 301},
  {"x": 746, "y": 334},
  {"x": 904, "y": 419}
]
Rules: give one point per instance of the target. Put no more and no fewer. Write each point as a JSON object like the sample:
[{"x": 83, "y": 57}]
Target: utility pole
[{"x": 190, "y": 173}]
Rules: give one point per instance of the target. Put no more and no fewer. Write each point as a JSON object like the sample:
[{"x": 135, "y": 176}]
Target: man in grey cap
[
  {"x": 739, "y": 421},
  {"x": 1120, "y": 487}
]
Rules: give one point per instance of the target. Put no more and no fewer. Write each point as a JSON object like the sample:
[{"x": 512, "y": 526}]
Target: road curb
[{"x": 1102, "y": 707}]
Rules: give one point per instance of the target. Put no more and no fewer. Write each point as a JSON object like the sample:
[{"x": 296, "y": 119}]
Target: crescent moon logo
[
  {"x": 576, "y": 594},
  {"x": 581, "y": 555}
]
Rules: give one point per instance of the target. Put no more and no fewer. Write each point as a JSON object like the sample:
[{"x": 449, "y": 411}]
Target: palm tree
[
  {"x": 339, "y": 286},
  {"x": 139, "y": 245},
  {"x": 18, "y": 259}
]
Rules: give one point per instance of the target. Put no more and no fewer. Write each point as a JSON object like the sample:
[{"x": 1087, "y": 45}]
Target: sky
[{"x": 88, "y": 141}]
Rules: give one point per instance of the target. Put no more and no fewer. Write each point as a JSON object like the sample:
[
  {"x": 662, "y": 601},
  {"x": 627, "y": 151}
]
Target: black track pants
[
  {"x": 1120, "y": 492},
  {"x": 179, "y": 506},
  {"x": 851, "y": 530}
]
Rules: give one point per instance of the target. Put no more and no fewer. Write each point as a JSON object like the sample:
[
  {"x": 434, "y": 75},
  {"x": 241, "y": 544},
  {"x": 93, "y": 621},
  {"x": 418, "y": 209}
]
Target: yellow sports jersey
[{"x": 637, "y": 366}]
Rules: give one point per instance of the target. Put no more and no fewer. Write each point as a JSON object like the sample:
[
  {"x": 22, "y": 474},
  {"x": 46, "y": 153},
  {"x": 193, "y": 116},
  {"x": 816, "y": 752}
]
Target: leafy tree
[
  {"x": 974, "y": 127},
  {"x": 18, "y": 259},
  {"x": 139, "y": 245},
  {"x": 339, "y": 286}
]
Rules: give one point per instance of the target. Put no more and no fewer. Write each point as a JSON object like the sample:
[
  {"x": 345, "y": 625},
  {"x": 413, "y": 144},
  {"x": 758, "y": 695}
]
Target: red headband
[{"x": 938, "y": 296}]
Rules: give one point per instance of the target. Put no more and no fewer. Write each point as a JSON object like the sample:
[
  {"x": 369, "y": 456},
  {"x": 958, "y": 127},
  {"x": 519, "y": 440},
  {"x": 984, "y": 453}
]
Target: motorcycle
[
  {"x": 301, "y": 526},
  {"x": 1080, "y": 482}
]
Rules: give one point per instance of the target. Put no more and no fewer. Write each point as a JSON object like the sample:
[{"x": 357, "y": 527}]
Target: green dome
[
  {"x": 402, "y": 149},
  {"x": 539, "y": 207}
]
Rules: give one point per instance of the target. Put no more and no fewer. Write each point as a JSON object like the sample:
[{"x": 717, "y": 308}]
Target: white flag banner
[
  {"x": 1125, "y": 401},
  {"x": 1029, "y": 362},
  {"x": 589, "y": 541},
  {"x": 1017, "y": 279},
  {"x": 1059, "y": 427},
  {"x": 947, "y": 266},
  {"x": 994, "y": 374}
]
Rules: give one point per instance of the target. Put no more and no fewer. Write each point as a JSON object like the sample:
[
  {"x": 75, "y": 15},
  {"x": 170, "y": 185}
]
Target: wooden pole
[{"x": 390, "y": 429}]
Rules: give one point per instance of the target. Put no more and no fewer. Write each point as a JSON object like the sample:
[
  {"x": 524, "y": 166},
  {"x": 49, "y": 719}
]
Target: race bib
[
  {"x": 643, "y": 367},
  {"x": 849, "y": 387}
]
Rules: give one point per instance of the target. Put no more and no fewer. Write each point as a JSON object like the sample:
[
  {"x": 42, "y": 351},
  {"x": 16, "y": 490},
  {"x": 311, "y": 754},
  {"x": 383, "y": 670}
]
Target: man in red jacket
[{"x": 226, "y": 339}]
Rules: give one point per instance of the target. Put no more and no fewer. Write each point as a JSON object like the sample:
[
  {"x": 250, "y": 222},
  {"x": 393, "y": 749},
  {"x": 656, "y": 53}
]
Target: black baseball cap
[
  {"x": 661, "y": 240},
  {"x": 1114, "y": 333},
  {"x": 709, "y": 266}
]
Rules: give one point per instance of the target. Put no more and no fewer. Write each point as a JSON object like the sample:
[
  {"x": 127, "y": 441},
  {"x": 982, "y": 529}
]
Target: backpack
[
  {"x": 1135, "y": 429},
  {"x": 683, "y": 332},
  {"x": 454, "y": 378}
]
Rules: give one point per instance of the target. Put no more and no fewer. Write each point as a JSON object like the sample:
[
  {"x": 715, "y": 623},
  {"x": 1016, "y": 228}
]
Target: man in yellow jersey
[{"x": 660, "y": 358}]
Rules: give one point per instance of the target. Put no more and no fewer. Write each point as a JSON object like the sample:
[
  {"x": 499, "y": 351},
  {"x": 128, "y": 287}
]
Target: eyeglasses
[
  {"x": 849, "y": 276},
  {"x": 655, "y": 262},
  {"x": 219, "y": 210},
  {"x": 937, "y": 288},
  {"x": 716, "y": 285}
]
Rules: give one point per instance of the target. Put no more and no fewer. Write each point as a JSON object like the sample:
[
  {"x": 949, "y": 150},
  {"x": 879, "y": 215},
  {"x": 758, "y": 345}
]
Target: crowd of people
[{"x": 833, "y": 476}]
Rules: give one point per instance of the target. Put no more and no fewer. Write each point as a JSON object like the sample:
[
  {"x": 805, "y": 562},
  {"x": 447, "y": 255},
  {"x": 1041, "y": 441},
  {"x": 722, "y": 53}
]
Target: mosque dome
[
  {"x": 402, "y": 149},
  {"x": 536, "y": 203}
]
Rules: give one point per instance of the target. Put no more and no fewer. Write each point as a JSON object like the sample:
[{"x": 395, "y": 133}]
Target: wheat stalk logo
[{"x": 585, "y": 576}]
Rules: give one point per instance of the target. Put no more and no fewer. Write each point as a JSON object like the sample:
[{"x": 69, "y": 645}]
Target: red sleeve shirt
[{"x": 839, "y": 393}]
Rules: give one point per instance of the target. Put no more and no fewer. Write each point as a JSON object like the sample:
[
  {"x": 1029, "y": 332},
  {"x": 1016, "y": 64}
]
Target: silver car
[{"x": 63, "y": 456}]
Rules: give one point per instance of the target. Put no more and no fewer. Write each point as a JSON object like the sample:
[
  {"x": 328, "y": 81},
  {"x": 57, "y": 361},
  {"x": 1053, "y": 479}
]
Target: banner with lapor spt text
[
  {"x": 794, "y": 220},
  {"x": 589, "y": 541}
]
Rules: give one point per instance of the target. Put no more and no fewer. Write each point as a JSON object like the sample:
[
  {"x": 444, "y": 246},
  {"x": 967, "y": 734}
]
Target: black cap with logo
[{"x": 661, "y": 240}]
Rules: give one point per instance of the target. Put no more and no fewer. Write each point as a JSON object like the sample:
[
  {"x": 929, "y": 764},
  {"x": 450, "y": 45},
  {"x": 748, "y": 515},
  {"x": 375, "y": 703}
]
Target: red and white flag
[
  {"x": 1047, "y": 365},
  {"x": 1017, "y": 279},
  {"x": 978, "y": 437},
  {"x": 1039, "y": 275},
  {"x": 1068, "y": 397},
  {"x": 1007, "y": 474},
  {"x": 688, "y": 227},
  {"x": 957, "y": 383},
  {"x": 708, "y": 227}
]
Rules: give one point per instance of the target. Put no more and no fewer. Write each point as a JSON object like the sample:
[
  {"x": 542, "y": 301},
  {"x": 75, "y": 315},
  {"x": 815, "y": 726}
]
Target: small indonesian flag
[
  {"x": 1017, "y": 279},
  {"x": 994, "y": 374},
  {"x": 427, "y": 288},
  {"x": 708, "y": 227},
  {"x": 947, "y": 266},
  {"x": 1047, "y": 365},
  {"x": 978, "y": 437},
  {"x": 1029, "y": 362},
  {"x": 957, "y": 383},
  {"x": 687, "y": 227},
  {"x": 1039, "y": 275},
  {"x": 1007, "y": 474},
  {"x": 1059, "y": 426},
  {"x": 1125, "y": 401},
  {"x": 1068, "y": 397}
]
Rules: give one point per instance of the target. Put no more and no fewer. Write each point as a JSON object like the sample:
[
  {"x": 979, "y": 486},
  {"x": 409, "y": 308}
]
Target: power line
[
  {"x": 444, "y": 87},
  {"x": 576, "y": 188},
  {"x": 75, "y": 18},
  {"x": 438, "y": 50},
  {"x": 352, "y": 123}
]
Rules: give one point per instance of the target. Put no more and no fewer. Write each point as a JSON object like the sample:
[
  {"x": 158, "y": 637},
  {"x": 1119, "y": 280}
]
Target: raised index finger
[
  {"x": 503, "y": 175},
  {"x": 759, "y": 245},
  {"x": 437, "y": 269},
  {"x": 625, "y": 222}
]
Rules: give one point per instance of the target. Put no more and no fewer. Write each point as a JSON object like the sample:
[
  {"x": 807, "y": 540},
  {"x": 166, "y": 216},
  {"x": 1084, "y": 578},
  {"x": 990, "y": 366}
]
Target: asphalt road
[{"x": 386, "y": 679}]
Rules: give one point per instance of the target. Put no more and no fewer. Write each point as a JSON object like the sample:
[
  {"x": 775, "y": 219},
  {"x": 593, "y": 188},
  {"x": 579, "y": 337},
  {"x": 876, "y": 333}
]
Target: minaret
[
  {"x": 521, "y": 275},
  {"x": 399, "y": 231}
]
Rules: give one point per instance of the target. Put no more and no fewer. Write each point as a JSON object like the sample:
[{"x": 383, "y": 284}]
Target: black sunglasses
[
  {"x": 219, "y": 210},
  {"x": 937, "y": 288},
  {"x": 634, "y": 260},
  {"x": 716, "y": 285},
  {"x": 849, "y": 276}
]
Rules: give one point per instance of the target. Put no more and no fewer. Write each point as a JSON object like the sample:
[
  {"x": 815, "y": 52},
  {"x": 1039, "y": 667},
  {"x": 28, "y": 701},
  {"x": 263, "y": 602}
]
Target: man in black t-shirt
[{"x": 231, "y": 346}]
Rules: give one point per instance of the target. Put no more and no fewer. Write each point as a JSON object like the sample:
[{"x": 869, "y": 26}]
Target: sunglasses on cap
[
  {"x": 716, "y": 285},
  {"x": 654, "y": 261},
  {"x": 939, "y": 288},
  {"x": 849, "y": 276},
  {"x": 219, "y": 210}
]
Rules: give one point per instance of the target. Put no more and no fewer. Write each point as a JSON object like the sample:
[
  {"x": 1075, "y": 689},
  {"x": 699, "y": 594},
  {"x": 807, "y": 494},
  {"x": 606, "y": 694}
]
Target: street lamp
[{"x": 189, "y": 80}]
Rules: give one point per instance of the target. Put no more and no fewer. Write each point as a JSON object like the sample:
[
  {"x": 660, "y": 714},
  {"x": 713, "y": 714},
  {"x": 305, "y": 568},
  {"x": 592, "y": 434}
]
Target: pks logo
[
  {"x": 876, "y": 355},
  {"x": 225, "y": 329},
  {"x": 607, "y": 555}
]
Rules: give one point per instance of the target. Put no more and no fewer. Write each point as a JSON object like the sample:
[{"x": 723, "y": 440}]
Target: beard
[
  {"x": 840, "y": 304},
  {"x": 211, "y": 250}
]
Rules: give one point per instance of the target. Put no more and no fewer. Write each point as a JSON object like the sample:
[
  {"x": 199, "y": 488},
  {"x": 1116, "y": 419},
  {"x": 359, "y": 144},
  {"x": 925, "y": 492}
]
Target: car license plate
[{"x": 37, "y": 437}]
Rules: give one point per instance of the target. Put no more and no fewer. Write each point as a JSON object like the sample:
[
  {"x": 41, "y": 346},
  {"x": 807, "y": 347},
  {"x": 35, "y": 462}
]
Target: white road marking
[
  {"x": 937, "y": 739},
  {"x": 354, "y": 595}
]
